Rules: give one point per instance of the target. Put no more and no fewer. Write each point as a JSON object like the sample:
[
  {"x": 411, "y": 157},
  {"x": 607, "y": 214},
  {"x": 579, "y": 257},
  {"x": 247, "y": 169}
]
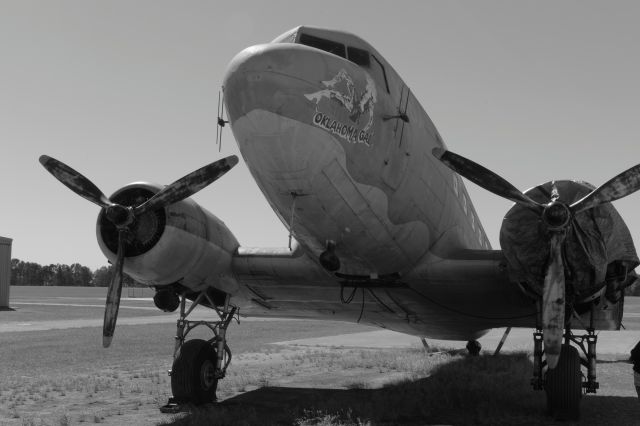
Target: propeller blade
[
  {"x": 74, "y": 181},
  {"x": 553, "y": 303},
  {"x": 188, "y": 185},
  {"x": 485, "y": 178},
  {"x": 624, "y": 184},
  {"x": 113, "y": 294}
]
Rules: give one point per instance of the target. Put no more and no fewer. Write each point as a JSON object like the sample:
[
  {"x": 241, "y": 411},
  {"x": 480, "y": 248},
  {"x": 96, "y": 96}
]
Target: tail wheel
[
  {"x": 193, "y": 376},
  {"x": 564, "y": 385}
]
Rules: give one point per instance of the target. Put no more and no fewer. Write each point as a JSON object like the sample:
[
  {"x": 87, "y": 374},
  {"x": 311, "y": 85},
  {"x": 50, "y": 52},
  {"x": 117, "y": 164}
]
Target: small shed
[{"x": 5, "y": 271}]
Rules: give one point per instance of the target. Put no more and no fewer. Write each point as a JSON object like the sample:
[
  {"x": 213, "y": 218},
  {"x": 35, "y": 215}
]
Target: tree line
[{"x": 31, "y": 273}]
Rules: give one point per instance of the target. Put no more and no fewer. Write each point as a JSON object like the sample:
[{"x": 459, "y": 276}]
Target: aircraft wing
[
  {"x": 454, "y": 298},
  {"x": 458, "y": 297}
]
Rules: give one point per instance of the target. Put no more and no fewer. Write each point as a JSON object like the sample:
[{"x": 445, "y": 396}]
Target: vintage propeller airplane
[{"x": 356, "y": 170}]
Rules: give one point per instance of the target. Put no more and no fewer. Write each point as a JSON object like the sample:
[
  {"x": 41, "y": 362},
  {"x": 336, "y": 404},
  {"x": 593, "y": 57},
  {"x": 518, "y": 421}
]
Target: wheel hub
[{"x": 208, "y": 374}]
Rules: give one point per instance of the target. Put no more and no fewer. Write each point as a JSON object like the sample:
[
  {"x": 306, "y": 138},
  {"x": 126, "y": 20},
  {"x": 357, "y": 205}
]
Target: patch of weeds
[
  {"x": 263, "y": 382},
  {"x": 239, "y": 415},
  {"x": 64, "y": 420},
  {"x": 319, "y": 418},
  {"x": 30, "y": 421}
]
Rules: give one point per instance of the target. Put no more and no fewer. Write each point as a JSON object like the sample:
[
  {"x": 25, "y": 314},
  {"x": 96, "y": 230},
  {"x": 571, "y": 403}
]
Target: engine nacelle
[
  {"x": 598, "y": 252},
  {"x": 180, "y": 243}
]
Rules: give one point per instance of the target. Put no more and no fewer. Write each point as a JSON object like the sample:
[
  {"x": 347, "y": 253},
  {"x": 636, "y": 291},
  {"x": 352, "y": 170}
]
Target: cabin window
[
  {"x": 323, "y": 44},
  {"x": 358, "y": 56}
]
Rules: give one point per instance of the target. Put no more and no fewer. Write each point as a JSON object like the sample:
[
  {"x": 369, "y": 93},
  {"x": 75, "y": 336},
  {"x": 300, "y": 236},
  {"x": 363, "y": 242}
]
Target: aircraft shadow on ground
[{"x": 479, "y": 390}]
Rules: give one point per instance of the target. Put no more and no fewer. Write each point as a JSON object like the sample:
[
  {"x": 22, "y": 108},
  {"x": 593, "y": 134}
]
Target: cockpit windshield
[
  {"x": 358, "y": 56},
  {"x": 323, "y": 44}
]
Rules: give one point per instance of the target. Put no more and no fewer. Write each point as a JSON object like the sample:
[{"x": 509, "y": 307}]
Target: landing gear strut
[
  {"x": 199, "y": 364},
  {"x": 564, "y": 384}
]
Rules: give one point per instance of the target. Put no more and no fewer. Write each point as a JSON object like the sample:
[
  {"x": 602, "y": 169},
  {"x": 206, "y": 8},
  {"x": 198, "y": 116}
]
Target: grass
[
  {"x": 66, "y": 375},
  {"x": 33, "y": 313},
  {"x": 438, "y": 388},
  {"x": 20, "y": 292}
]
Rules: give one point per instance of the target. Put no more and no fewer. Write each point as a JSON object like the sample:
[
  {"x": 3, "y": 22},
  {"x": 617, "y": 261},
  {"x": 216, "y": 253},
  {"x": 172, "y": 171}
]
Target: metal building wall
[{"x": 5, "y": 271}]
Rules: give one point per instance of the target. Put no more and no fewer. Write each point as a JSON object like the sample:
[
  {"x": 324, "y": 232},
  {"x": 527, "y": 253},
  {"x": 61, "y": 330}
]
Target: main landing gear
[
  {"x": 564, "y": 384},
  {"x": 198, "y": 364},
  {"x": 474, "y": 347}
]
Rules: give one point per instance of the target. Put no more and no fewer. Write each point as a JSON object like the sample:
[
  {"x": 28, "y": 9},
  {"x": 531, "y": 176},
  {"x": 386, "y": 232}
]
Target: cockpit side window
[
  {"x": 323, "y": 44},
  {"x": 358, "y": 56}
]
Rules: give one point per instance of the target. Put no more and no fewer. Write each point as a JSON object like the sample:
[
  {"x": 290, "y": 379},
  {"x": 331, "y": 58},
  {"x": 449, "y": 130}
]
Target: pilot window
[
  {"x": 358, "y": 56},
  {"x": 323, "y": 44}
]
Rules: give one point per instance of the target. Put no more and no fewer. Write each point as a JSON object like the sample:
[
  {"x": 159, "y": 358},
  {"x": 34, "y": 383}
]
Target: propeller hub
[
  {"x": 120, "y": 216},
  {"x": 145, "y": 230},
  {"x": 556, "y": 215}
]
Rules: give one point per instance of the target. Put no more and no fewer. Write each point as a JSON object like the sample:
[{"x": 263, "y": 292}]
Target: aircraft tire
[
  {"x": 564, "y": 386},
  {"x": 192, "y": 374}
]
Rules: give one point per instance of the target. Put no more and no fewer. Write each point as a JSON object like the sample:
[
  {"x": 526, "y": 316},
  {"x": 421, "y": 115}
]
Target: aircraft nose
[
  {"x": 293, "y": 60},
  {"x": 273, "y": 77},
  {"x": 259, "y": 58}
]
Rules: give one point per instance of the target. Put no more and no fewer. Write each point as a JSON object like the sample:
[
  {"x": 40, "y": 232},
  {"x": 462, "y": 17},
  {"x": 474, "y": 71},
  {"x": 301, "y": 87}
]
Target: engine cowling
[
  {"x": 597, "y": 243},
  {"x": 180, "y": 243}
]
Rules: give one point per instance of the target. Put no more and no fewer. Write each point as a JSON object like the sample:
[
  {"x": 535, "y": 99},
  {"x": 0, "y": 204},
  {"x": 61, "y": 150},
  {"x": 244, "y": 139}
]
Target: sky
[{"x": 127, "y": 91}]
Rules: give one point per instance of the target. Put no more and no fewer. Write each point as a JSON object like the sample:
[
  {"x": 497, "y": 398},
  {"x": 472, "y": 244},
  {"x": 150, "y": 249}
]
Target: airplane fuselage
[{"x": 342, "y": 151}]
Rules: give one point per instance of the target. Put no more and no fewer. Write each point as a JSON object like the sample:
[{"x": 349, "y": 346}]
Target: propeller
[
  {"x": 114, "y": 292},
  {"x": 75, "y": 181},
  {"x": 557, "y": 217},
  {"x": 626, "y": 183},
  {"x": 123, "y": 216},
  {"x": 485, "y": 178},
  {"x": 553, "y": 303}
]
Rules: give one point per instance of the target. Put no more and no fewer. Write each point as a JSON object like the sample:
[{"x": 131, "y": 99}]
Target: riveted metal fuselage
[{"x": 343, "y": 154}]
